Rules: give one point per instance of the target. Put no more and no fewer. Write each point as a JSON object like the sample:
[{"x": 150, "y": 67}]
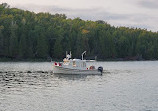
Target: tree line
[{"x": 29, "y": 35}]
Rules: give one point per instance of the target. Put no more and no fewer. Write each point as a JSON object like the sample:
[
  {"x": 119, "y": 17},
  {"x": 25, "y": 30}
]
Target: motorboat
[{"x": 75, "y": 66}]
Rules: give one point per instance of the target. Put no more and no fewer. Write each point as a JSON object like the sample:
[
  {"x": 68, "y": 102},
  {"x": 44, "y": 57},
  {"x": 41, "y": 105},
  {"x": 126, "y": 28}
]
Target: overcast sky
[{"x": 130, "y": 13}]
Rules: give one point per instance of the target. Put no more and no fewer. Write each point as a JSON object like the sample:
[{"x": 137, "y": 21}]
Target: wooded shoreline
[{"x": 27, "y": 36}]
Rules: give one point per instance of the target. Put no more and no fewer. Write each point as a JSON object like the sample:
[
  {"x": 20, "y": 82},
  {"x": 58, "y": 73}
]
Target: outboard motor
[{"x": 100, "y": 69}]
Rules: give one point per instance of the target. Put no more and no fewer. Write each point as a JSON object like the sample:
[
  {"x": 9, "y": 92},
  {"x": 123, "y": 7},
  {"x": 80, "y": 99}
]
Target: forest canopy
[{"x": 29, "y": 35}]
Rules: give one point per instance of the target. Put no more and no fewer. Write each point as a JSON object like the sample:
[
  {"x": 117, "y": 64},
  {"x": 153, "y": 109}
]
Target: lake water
[{"x": 124, "y": 86}]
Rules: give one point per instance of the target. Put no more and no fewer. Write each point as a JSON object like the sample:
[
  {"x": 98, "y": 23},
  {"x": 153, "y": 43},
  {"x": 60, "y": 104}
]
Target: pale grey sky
[{"x": 130, "y": 13}]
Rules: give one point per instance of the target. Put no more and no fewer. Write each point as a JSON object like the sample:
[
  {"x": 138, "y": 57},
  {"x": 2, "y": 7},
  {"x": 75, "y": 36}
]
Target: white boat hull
[{"x": 62, "y": 70}]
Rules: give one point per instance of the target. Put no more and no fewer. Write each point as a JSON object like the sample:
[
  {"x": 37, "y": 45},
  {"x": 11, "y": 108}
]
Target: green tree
[
  {"x": 13, "y": 41},
  {"x": 42, "y": 48},
  {"x": 1, "y": 41},
  {"x": 58, "y": 50}
]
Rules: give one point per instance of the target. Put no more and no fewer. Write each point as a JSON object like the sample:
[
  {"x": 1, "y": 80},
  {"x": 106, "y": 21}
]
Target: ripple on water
[{"x": 124, "y": 86}]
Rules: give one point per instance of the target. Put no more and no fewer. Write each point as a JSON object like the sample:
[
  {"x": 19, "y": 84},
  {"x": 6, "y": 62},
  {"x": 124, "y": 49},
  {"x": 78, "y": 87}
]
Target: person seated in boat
[
  {"x": 92, "y": 67},
  {"x": 65, "y": 60}
]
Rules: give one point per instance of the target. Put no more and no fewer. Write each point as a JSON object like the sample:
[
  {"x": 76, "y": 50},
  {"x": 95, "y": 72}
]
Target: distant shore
[
  {"x": 59, "y": 60},
  {"x": 23, "y": 60}
]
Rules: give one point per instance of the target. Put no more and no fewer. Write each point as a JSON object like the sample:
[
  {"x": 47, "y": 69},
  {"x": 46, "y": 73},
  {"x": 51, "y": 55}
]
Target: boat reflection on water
[{"x": 74, "y": 76}]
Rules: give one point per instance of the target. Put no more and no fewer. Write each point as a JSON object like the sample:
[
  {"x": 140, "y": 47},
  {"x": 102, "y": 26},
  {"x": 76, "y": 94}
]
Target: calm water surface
[{"x": 124, "y": 86}]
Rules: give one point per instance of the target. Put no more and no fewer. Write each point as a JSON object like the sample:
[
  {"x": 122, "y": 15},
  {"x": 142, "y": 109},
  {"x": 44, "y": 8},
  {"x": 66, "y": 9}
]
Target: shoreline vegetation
[
  {"x": 29, "y": 36},
  {"x": 60, "y": 60}
]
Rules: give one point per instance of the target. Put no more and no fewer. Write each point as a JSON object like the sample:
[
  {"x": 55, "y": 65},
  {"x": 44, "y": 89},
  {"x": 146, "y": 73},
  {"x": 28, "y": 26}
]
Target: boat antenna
[
  {"x": 70, "y": 54},
  {"x": 83, "y": 54},
  {"x": 66, "y": 53}
]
